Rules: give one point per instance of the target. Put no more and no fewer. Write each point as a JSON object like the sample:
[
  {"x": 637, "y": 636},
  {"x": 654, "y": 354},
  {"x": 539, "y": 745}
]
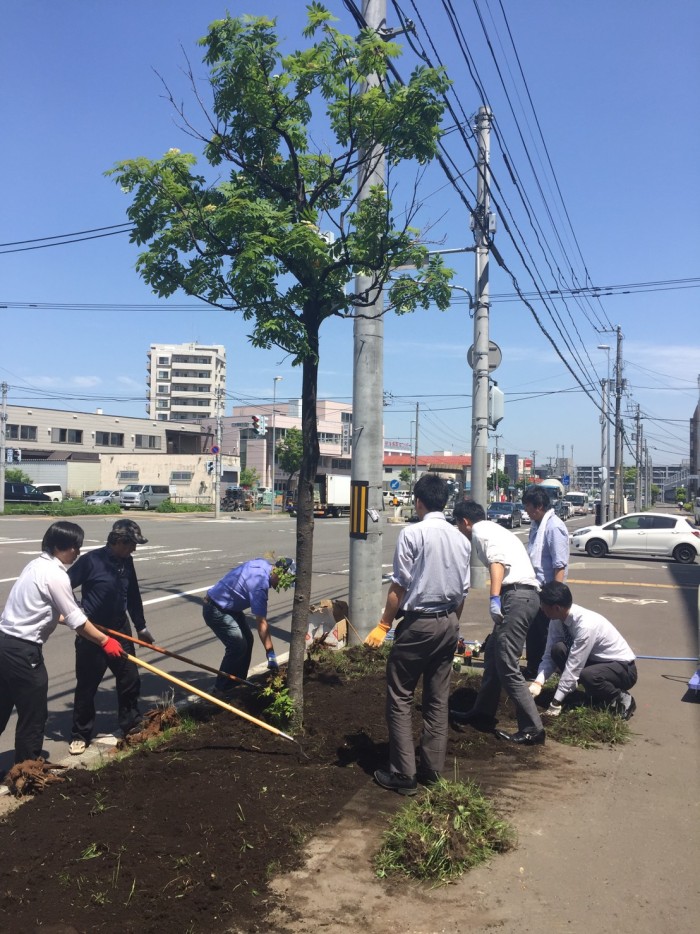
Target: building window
[
  {"x": 162, "y": 418},
  {"x": 181, "y": 476},
  {"x": 127, "y": 476},
  {"x": 20, "y": 432},
  {"x": 12, "y": 432},
  {"x": 162, "y": 403},
  {"x": 340, "y": 463},
  {"x": 111, "y": 439},
  {"x": 163, "y": 374},
  {"x": 163, "y": 361},
  {"x": 152, "y": 442},
  {"x": 66, "y": 436},
  {"x": 164, "y": 389}
]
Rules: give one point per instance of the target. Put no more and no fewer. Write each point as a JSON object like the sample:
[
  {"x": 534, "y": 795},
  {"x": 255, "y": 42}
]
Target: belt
[
  {"x": 506, "y": 587},
  {"x": 430, "y": 614}
]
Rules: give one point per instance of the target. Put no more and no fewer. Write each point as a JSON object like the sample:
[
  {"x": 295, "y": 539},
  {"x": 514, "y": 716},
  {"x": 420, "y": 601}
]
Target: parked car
[
  {"x": 643, "y": 533},
  {"x": 16, "y": 492},
  {"x": 523, "y": 514},
  {"x": 143, "y": 495},
  {"x": 508, "y": 514},
  {"x": 52, "y": 490},
  {"x": 103, "y": 498}
]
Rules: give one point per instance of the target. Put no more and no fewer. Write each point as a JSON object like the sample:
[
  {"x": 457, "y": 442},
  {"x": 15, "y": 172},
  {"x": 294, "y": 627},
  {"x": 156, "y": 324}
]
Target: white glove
[
  {"x": 495, "y": 610},
  {"x": 553, "y": 710},
  {"x": 145, "y": 636},
  {"x": 535, "y": 688}
]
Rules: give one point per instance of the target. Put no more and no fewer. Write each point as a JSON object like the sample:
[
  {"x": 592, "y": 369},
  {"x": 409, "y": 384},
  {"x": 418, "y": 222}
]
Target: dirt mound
[{"x": 186, "y": 836}]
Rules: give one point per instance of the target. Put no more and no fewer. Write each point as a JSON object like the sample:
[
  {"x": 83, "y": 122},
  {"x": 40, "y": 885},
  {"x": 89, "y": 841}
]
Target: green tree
[
  {"x": 405, "y": 475},
  {"x": 289, "y": 452},
  {"x": 502, "y": 482},
  {"x": 252, "y": 237},
  {"x": 655, "y": 490},
  {"x": 17, "y": 475},
  {"x": 249, "y": 477}
]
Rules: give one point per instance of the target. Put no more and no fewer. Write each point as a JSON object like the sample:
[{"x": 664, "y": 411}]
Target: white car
[
  {"x": 103, "y": 497},
  {"x": 640, "y": 533}
]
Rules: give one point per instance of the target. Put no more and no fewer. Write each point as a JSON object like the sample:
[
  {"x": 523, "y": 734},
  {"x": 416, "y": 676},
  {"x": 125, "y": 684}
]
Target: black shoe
[
  {"x": 396, "y": 781},
  {"x": 427, "y": 777},
  {"x": 523, "y": 737},
  {"x": 480, "y": 721}
]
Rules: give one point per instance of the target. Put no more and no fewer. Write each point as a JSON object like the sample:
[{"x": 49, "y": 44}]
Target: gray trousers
[
  {"x": 501, "y": 660},
  {"x": 422, "y": 647}
]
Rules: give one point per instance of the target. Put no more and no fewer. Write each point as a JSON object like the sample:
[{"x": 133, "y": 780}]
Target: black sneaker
[
  {"x": 397, "y": 781},
  {"x": 427, "y": 777}
]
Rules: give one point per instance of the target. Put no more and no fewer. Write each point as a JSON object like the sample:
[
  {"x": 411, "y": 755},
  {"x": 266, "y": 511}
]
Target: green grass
[
  {"x": 69, "y": 507},
  {"x": 443, "y": 833},
  {"x": 355, "y": 662},
  {"x": 169, "y": 506},
  {"x": 588, "y": 728}
]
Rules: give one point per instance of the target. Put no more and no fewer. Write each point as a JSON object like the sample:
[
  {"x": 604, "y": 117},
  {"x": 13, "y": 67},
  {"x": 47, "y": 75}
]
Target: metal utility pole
[
  {"x": 496, "y": 476},
  {"x": 534, "y": 465},
  {"x": 415, "y": 450},
  {"x": 3, "y": 422},
  {"x": 619, "y": 487},
  {"x": 275, "y": 380},
  {"x": 482, "y": 225},
  {"x": 638, "y": 462},
  {"x": 605, "y": 444},
  {"x": 365, "y": 581}
]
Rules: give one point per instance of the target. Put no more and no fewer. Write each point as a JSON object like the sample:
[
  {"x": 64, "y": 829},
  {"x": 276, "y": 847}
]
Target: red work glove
[{"x": 112, "y": 648}]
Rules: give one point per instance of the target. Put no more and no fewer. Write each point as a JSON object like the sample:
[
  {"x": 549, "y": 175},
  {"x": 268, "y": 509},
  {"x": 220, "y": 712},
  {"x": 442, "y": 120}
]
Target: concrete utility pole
[
  {"x": 638, "y": 462},
  {"x": 496, "y": 475},
  {"x": 415, "y": 450},
  {"x": 481, "y": 224},
  {"x": 275, "y": 380},
  {"x": 365, "y": 583},
  {"x": 619, "y": 486},
  {"x": 217, "y": 456},
  {"x": 605, "y": 443},
  {"x": 3, "y": 422}
]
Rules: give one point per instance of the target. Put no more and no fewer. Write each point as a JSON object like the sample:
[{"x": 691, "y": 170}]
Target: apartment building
[{"x": 184, "y": 381}]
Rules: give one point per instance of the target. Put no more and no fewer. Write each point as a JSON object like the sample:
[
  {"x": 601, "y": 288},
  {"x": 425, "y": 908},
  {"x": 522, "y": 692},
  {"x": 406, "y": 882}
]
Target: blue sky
[{"x": 614, "y": 87}]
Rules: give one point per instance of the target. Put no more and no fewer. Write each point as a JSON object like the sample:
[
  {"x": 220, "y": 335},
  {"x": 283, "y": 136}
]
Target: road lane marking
[{"x": 633, "y": 584}]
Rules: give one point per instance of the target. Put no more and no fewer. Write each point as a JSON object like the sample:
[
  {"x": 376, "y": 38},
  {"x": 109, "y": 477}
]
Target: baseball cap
[{"x": 130, "y": 530}]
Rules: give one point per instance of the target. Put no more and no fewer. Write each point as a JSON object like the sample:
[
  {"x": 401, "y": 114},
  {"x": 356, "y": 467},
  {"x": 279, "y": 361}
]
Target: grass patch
[
  {"x": 440, "y": 835},
  {"x": 169, "y": 506},
  {"x": 69, "y": 507},
  {"x": 588, "y": 728}
]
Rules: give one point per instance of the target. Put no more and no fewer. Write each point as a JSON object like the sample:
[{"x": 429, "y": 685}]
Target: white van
[
  {"x": 52, "y": 490},
  {"x": 143, "y": 495}
]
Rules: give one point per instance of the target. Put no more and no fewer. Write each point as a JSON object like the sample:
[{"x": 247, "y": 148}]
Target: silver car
[
  {"x": 103, "y": 497},
  {"x": 641, "y": 533}
]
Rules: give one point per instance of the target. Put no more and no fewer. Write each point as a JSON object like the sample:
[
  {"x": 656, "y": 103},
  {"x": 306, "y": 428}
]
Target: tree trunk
[{"x": 305, "y": 528}]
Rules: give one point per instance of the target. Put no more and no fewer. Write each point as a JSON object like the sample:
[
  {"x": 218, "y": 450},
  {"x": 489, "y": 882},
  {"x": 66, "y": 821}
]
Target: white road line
[{"x": 175, "y": 596}]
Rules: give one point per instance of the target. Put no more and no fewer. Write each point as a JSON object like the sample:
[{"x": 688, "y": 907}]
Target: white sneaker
[{"x": 77, "y": 747}]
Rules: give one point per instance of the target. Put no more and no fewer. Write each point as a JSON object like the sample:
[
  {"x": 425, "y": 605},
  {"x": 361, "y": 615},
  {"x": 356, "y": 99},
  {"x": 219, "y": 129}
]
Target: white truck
[{"x": 332, "y": 495}]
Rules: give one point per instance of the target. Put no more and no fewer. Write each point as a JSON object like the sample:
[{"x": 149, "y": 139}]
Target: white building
[{"x": 185, "y": 381}]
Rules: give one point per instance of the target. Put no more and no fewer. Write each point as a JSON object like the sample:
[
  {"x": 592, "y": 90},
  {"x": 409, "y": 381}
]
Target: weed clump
[
  {"x": 440, "y": 835},
  {"x": 588, "y": 727}
]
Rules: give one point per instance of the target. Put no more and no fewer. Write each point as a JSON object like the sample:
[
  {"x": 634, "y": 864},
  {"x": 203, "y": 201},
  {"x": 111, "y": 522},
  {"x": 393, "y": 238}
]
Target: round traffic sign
[
  {"x": 394, "y": 484},
  {"x": 215, "y": 449},
  {"x": 495, "y": 356}
]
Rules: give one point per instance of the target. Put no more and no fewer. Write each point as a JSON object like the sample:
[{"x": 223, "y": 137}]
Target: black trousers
[
  {"x": 536, "y": 642},
  {"x": 91, "y": 664},
  {"x": 602, "y": 681},
  {"x": 24, "y": 684}
]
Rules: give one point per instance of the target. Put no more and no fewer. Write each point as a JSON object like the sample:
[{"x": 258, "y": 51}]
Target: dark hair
[
  {"x": 534, "y": 496},
  {"x": 62, "y": 535},
  {"x": 122, "y": 534},
  {"x": 556, "y": 594},
  {"x": 432, "y": 491},
  {"x": 468, "y": 509}
]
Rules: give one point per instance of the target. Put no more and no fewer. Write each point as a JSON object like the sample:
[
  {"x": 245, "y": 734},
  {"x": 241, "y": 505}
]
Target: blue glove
[
  {"x": 495, "y": 609},
  {"x": 272, "y": 661}
]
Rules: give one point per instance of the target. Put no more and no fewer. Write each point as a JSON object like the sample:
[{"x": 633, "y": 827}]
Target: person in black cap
[
  {"x": 244, "y": 587},
  {"x": 109, "y": 591}
]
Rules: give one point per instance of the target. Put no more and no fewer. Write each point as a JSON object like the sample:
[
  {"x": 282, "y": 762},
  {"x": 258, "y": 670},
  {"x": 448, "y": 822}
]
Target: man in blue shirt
[
  {"x": 244, "y": 588},
  {"x": 109, "y": 591},
  {"x": 548, "y": 548}
]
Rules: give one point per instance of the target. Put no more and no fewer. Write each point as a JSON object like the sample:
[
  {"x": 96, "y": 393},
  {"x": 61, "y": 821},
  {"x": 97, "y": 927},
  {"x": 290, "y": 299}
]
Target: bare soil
[{"x": 231, "y": 829}]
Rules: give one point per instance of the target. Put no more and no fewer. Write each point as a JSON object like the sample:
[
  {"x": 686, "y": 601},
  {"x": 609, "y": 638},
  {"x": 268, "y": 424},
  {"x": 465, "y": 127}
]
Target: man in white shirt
[
  {"x": 584, "y": 646},
  {"x": 429, "y": 583},
  {"x": 514, "y": 604},
  {"x": 40, "y": 598}
]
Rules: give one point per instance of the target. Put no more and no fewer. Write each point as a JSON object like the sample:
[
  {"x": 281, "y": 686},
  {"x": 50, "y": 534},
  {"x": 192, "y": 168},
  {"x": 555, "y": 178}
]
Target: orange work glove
[{"x": 378, "y": 635}]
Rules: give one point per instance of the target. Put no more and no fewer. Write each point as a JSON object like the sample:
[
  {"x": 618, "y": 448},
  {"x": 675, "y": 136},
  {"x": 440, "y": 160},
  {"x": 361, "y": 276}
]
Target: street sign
[
  {"x": 495, "y": 356},
  {"x": 394, "y": 484},
  {"x": 215, "y": 449},
  {"x": 566, "y": 479}
]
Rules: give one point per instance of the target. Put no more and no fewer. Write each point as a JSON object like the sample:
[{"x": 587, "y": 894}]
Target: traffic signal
[
  {"x": 17, "y": 456},
  {"x": 263, "y": 426},
  {"x": 255, "y": 424},
  {"x": 210, "y": 466}
]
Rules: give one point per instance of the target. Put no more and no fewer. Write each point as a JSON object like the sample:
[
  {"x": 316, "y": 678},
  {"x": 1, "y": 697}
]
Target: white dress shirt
[
  {"x": 40, "y": 595},
  {"x": 496, "y": 545}
]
